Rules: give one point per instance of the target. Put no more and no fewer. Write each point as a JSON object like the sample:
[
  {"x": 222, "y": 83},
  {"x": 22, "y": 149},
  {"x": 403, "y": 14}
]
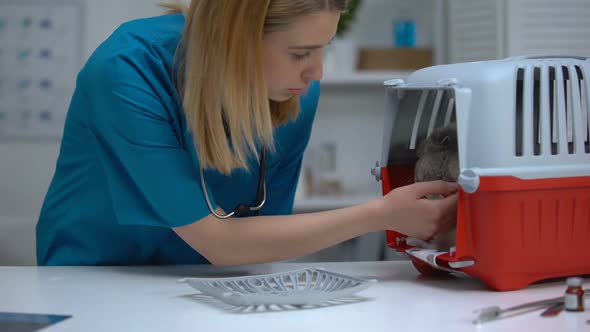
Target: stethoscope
[{"x": 260, "y": 194}]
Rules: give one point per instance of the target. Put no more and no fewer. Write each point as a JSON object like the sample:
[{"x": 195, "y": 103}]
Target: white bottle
[{"x": 574, "y": 295}]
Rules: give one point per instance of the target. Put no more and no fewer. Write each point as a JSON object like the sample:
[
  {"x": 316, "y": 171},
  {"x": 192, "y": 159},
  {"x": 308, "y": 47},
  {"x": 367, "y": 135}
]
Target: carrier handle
[{"x": 540, "y": 57}]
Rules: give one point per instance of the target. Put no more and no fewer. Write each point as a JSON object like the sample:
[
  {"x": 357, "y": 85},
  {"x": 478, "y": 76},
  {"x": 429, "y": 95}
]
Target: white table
[{"x": 151, "y": 299}]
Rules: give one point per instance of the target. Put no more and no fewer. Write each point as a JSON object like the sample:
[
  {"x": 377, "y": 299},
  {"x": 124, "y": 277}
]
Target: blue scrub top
[{"x": 127, "y": 171}]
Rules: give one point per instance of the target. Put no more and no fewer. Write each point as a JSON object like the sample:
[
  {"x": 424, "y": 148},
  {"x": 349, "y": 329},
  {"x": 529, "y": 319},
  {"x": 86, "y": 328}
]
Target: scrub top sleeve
[
  {"x": 282, "y": 187},
  {"x": 151, "y": 177}
]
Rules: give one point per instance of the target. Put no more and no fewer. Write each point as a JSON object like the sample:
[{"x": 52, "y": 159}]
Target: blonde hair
[{"x": 220, "y": 75}]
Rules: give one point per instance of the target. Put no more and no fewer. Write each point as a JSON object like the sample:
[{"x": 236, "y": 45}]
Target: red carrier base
[{"x": 516, "y": 231}]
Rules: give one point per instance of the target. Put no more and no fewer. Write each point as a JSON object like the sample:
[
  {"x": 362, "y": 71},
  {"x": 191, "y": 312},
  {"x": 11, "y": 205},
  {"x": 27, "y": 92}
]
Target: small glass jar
[{"x": 574, "y": 295}]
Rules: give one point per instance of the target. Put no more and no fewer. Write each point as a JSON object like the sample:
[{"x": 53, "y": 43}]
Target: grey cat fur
[{"x": 438, "y": 159}]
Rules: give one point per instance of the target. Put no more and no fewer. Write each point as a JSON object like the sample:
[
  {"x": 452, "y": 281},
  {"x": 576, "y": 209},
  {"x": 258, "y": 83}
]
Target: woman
[{"x": 168, "y": 128}]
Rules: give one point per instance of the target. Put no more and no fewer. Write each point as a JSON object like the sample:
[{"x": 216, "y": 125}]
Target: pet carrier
[{"x": 524, "y": 157}]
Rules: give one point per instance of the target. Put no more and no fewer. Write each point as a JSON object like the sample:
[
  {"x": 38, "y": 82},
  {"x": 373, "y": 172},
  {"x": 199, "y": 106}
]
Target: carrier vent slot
[
  {"x": 443, "y": 110},
  {"x": 552, "y": 114},
  {"x": 434, "y": 109},
  {"x": 552, "y": 111},
  {"x": 518, "y": 108},
  {"x": 576, "y": 120},
  {"x": 450, "y": 111},
  {"x": 584, "y": 95},
  {"x": 419, "y": 112},
  {"x": 537, "y": 113}
]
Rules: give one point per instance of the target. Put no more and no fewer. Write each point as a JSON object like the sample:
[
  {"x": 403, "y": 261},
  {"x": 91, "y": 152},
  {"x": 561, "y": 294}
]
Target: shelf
[
  {"x": 362, "y": 77},
  {"x": 321, "y": 203}
]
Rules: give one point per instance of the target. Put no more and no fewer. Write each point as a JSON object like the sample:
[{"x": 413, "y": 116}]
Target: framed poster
[{"x": 41, "y": 50}]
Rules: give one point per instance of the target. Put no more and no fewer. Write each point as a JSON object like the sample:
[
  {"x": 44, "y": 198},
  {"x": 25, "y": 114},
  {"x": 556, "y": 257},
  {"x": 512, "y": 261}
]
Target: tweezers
[{"x": 495, "y": 312}]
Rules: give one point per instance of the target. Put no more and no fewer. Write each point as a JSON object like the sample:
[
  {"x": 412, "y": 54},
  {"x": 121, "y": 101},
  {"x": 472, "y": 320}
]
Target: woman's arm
[{"x": 272, "y": 238}]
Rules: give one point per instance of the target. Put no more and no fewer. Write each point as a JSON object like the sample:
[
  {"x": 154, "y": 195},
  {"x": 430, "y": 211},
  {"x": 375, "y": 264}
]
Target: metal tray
[{"x": 309, "y": 286}]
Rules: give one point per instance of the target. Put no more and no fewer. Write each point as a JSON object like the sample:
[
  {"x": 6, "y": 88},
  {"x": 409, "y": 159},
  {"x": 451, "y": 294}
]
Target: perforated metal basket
[{"x": 300, "y": 287}]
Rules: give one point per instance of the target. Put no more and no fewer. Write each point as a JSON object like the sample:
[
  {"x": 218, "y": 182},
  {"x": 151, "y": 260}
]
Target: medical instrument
[
  {"x": 241, "y": 208},
  {"x": 495, "y": 312}
]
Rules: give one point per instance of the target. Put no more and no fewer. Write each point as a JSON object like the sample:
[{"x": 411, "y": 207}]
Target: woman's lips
[{"x": 296, "y": 91}]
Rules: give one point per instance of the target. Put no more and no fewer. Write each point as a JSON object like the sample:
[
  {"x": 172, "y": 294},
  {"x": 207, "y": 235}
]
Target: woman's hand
[{"x": 406, "y": 210}]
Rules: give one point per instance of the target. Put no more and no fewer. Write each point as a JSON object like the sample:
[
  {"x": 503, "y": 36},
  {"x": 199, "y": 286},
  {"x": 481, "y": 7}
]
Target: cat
[{"x": 438, "y": 159}]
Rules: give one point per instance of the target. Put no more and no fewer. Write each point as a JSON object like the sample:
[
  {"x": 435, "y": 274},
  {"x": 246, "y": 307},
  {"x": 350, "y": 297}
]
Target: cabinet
[{"x": 494, "y": 29}]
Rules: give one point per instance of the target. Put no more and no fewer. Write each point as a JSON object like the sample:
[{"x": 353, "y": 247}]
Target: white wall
[
  {"x": 26, "y": 168},
  {"x": 351, "y": 117}
]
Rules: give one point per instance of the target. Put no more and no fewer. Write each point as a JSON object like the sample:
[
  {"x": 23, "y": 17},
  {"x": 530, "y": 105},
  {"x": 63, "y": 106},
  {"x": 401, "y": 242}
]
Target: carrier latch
[
  {"x": 469, "y": 181},
  {"x": 376, "y": 171}
]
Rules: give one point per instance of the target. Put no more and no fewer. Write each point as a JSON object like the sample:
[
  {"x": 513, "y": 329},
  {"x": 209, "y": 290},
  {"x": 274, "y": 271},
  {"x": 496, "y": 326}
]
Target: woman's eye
[{"x": 300, "y": 56}]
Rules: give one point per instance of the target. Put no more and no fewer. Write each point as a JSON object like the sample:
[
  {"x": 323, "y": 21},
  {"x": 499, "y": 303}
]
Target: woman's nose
[{"x": 315, "y": 71}]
